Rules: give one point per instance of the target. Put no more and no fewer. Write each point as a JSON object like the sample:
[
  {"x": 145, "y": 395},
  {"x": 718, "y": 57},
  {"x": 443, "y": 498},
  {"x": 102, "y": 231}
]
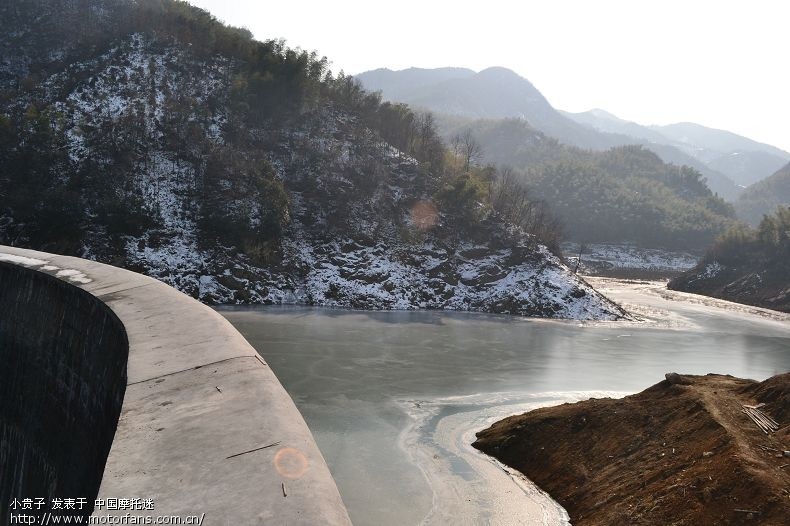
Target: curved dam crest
[
  {"x": 64, "y": 356},
  {"x": 89, "y": 346}
]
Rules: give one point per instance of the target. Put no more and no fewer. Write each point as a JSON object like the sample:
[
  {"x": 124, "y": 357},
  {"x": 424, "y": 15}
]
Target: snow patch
[
  {"x": 711, "y": 270},
  {"x": 22, "y": 260},
  {"x": 72, "y": 275}
]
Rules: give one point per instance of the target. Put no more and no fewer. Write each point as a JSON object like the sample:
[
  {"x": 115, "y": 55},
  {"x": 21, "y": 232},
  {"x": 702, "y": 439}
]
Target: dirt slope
[{"x": 672, "y": 454}]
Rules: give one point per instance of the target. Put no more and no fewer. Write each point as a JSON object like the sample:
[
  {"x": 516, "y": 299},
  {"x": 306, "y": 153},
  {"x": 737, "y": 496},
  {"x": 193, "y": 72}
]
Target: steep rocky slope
[{"x": 148, "y": 135}]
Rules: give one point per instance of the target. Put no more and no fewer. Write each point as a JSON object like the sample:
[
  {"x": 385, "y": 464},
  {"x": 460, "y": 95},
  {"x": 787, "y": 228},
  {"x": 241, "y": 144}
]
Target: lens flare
[
  {"x": 291, "y": 463},
  {"x": 424, "y": 215}
]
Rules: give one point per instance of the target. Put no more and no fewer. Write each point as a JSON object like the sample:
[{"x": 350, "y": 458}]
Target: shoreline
[{"x": 465, "y": 482}]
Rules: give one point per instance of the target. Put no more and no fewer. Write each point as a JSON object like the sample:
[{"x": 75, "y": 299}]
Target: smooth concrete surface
[{"x": 198, "y": 397}]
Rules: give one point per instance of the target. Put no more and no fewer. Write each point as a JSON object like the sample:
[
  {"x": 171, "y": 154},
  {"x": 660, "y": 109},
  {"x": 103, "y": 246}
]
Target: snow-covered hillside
[
  {"x": 151, "y": 141},
  {"x": 344, "y": 273}
]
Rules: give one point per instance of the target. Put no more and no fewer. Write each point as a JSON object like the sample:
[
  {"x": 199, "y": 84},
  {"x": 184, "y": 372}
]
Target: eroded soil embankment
[{"x": 672, "y": 454}]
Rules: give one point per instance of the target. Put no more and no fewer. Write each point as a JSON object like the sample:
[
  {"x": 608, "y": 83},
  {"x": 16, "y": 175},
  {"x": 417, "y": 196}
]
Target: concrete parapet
[{"x": 204, "y": 428}]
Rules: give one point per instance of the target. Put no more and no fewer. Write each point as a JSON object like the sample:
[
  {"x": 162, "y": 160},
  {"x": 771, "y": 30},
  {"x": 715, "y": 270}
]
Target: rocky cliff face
[{"x": 203, "y": 168}]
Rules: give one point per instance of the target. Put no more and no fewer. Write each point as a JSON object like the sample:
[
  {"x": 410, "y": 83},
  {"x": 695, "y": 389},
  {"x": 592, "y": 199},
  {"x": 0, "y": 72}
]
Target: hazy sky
[{"x": 724, "y": 64}]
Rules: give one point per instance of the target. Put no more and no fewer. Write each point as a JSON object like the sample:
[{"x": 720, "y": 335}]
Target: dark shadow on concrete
[{"x": 63, "y": 358}]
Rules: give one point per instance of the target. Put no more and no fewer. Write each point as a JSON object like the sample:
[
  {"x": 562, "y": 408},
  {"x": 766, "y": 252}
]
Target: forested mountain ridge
[
  {"x": 743, "y": 160},
  {"x": 499, "y": 93},
  {"x": 764, "y": 197},
  {"x": 746, "y": 265},
  {"x": 625, "y": 194},
  {"x": 149, "y": 135}
]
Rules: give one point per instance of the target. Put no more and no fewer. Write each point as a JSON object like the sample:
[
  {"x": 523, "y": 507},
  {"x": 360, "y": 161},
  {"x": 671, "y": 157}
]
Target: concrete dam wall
[
  {"x": 64, "y": 359},
  {"x": 117, "y": 386}
]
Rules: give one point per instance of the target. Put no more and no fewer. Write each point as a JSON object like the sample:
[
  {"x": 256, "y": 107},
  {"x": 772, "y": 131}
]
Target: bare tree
[
  {"x": 466, "y": 147},
  {"x": 514, "y": 202},
  {"x": 582, "y": 248}
]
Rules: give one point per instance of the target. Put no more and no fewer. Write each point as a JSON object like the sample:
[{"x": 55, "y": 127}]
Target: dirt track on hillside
[{"x": 672, "y": 454}]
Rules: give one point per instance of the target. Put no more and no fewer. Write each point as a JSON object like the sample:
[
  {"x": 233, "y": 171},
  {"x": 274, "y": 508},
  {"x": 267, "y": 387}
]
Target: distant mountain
[
  {"x": 739, "y": 158},
  {"x": 604, "y": 121},
  {"x": 494, "y": 93},
  {"x": 712, "y": 142},
  {"x": 748, "y": 168},
  {"x": 742, "y": 159},
  {"x": 499, "y": 93},
  {"x": 765, "y": 196},
  {"x": 396, "y": 85}
]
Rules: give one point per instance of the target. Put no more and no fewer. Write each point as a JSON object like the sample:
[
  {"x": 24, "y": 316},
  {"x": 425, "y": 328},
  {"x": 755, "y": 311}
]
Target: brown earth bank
[{"x": 675, "y": 454}]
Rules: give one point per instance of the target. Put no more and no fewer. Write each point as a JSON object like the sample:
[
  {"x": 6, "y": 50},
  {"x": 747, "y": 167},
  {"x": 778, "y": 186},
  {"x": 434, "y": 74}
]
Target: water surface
[{"x": 393, "y": 398}]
